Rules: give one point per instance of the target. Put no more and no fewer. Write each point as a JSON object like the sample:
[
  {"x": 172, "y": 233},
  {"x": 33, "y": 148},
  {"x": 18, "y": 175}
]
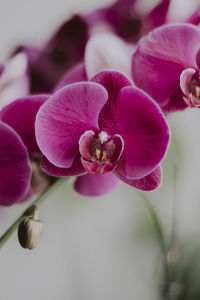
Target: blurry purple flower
[
  {"x": 126, "y": 21},
  {"x": 61, "y": 52},
  {"x": 20, "y": 118},
  {"x": 101, "y": 127},
  {"x": 67, "y": 45},
  {"x": 166, "y": 66},
  {"x": 14, "y": 81}
]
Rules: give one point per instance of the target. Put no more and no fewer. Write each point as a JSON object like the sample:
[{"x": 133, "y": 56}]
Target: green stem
[
  {"x": 30, "y": 211},
  {"x": 159, "y": 233}
]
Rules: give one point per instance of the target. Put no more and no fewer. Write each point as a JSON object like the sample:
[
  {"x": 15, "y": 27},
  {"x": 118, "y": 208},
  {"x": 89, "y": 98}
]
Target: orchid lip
[
  {"x": 100, "y": 152},
  {"x": 190, "y": 85}
]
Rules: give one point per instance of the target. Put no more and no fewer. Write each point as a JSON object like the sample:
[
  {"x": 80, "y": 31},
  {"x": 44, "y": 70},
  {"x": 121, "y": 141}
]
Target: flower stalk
[{"x": 30, "y": 211}]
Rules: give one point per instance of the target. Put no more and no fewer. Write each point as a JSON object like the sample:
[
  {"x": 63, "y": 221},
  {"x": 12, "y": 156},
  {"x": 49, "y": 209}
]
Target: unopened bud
[{"x": 30, "y": 232}]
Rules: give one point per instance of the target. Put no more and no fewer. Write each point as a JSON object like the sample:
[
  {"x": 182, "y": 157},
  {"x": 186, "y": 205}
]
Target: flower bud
[{"x": 30, "y": 232}]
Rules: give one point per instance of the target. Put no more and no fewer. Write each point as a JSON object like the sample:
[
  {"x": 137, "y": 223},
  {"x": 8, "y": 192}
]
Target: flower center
[{"x": 100, "y": 152}]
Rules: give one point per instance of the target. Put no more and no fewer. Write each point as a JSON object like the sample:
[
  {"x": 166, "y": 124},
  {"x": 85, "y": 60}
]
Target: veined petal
[
  {"x": 144, "y": 130},
  {"x": 115, "y": 56},
  {"x": 20, "y": 115},
  {"x": 76, "y": 74},
  {"x": 76, "y": 168},
  {"x": 15, "y": 167},
  {"x": 113, "y": 82},
  {"x": 160, "y": 58},
  {"x": 95, "y": 185},
  {"x": 147, "y": 183},
  {"x": 65, "y": 117}
]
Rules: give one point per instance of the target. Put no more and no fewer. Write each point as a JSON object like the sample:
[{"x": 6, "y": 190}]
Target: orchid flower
[
  {"x": 105, "y": 130},
  {"x": 166, "y": 65}
]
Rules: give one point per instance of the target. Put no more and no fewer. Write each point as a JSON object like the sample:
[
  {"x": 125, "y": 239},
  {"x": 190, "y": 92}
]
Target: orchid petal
[
  {"x": 113, "y": 82},
  {"x": 95, "y": 185},
  {"x": 147, "y": 183},
  {"x": 76, "y": 74},
  {"x": 15, "y": 167},
  {"x": 195, "y": 18},
  {"x": 76, "y": 168},
  {"x": 175, "y": 102},
  {"x": 158, "y": 16},
  {"x": 144, "y": 131},
  {"x": 65, "y": 117},
  {"x": 20, "y": 115}
]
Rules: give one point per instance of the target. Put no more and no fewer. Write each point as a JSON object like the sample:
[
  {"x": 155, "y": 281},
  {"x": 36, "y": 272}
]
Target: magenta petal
[
  {"x": 113, "y": 82},
  {"x": 65, "y": 117},
  {"x": 144, "y": 130},
  {"x": 161, "y": 57},
  {"x": 95, "y": 185},
  {"x": 76, "y": 74},
  {"x": 15, "y": 167},
  {"x": 195, "y": 18},
  {"x": 76, "y": 168},
  {"x": 175, "y": 102},
  {"x": 20, "y": 115},
  {"x": 158, "y": 16},
  {"x": 147, "y": 183}
]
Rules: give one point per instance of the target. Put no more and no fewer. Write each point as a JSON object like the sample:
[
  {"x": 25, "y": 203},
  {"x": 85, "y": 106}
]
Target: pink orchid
[
  {"x": 106, "y": 129},
  {"x": 166, "y": 65}
]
